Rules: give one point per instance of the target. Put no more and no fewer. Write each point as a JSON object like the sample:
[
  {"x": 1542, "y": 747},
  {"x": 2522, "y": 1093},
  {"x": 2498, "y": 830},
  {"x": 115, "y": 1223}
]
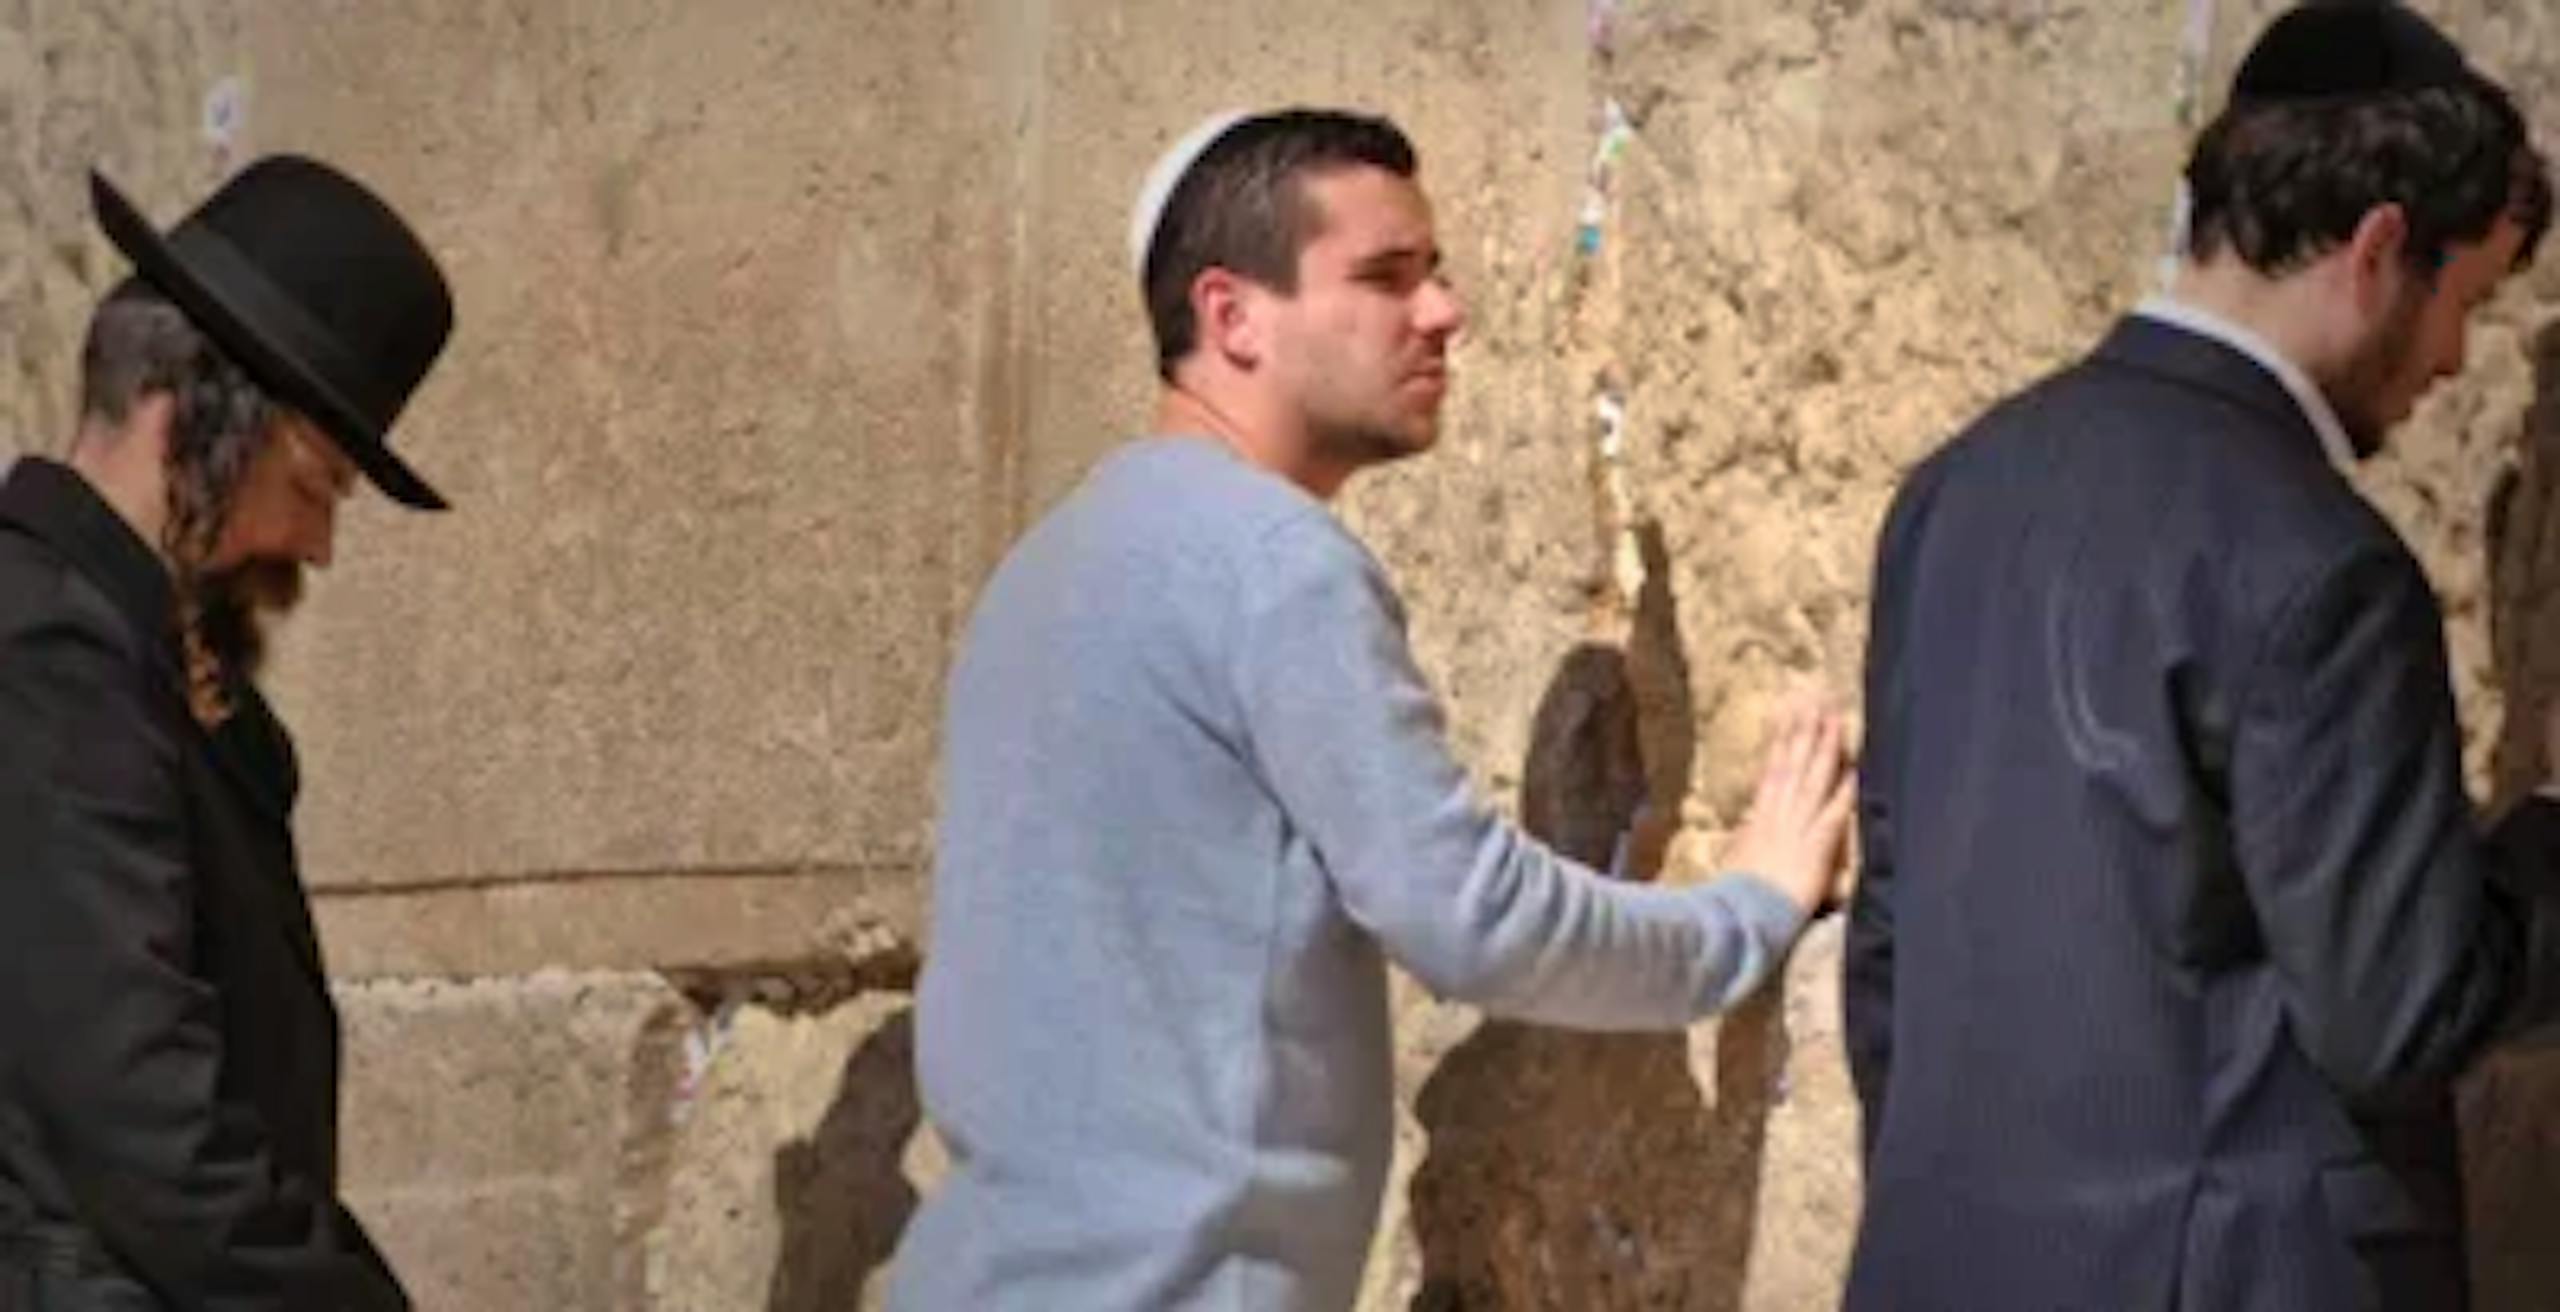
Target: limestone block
[
  {"x": 506, "y": 1140},
  {"x": 788, "y": 1186},
  {"x": 712, "y": 418},
  {"x": 721, "y": 921}
]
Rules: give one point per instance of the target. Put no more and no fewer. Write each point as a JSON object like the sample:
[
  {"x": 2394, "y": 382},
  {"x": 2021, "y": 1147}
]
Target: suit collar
[
  {"x": 58, "y": 507},
  {"x": 2185, "y": 356},
  {"x": 2306, "y": 394}
]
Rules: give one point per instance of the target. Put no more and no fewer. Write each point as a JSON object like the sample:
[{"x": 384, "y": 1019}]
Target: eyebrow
[
  {"x": 1397, "y": 256},
  {"x": 335, "y": 469},
  {"x": 325, "y": 481}
]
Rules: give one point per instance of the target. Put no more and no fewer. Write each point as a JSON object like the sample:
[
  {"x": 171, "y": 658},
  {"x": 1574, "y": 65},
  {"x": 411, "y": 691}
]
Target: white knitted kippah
[{"x": 1165, "y": 176}]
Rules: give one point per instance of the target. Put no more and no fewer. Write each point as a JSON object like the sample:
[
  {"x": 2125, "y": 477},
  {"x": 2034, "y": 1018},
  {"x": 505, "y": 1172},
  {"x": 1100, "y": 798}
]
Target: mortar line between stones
[{"x": 556, "y": 878}]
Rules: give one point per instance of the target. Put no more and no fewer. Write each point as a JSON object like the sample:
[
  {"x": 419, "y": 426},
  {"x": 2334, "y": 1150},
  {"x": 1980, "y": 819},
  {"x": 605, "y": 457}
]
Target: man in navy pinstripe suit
[{"x": 2175, "y": 924}]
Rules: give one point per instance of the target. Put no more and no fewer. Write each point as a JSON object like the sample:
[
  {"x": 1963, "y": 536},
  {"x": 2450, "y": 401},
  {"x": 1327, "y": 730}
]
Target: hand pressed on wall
[{"x": 1796, "y": 832}]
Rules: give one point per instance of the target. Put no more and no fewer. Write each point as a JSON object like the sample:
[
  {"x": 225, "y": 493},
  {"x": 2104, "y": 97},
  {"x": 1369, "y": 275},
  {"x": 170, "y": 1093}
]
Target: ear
[
  {"x": 141, "y": 440},
  {"x": 2377, "y": 257},
  {"x": 145, "y": 425},
  {"x": 1228, "y": 310},
  {"x": 153, "y": 417}
]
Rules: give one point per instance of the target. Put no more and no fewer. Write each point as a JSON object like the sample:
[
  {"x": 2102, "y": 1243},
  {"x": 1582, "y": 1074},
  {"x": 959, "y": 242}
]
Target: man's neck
[
  {"x": 110, "y": 462},
  {"x": 1257, "y": 438},
  {"x": 2275, "y": 312},
  {"x": 2246, "y": 315}
]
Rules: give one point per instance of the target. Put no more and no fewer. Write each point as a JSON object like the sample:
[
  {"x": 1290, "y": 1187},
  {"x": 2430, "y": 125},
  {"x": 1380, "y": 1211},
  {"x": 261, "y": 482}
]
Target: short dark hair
[
  {"x": 2281, "y": 182},
  {"x": 1243, "y": 206}
]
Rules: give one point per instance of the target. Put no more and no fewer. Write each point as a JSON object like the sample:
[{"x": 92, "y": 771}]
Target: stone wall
[
  {"x": 130, "y": 89},
  {"x": 779, "y": 319}
]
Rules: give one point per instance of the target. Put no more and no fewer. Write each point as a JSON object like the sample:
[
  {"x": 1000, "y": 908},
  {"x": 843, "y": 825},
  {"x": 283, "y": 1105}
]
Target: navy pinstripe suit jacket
[{"x": 2175, "y": 923}]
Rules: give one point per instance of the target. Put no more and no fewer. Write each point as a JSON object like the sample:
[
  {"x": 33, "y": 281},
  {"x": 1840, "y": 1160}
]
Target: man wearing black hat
[
  {"x": 2175, "y": 926},
  {"x": 168, "y": 1050}
]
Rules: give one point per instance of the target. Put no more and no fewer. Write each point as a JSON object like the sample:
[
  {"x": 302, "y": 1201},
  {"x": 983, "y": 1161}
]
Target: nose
[
  {"x": 1440, "y": 311},
  {"x": 323, "y": 546}
]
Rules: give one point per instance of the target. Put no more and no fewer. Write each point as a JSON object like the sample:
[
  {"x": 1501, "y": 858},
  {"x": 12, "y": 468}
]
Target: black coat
[
  {"x": 168, "y": 1049},
  {"x": 2175, "y": 924}
]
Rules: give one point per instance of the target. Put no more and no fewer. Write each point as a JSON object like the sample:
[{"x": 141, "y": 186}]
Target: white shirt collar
[{"x": 2306, "y": 395}]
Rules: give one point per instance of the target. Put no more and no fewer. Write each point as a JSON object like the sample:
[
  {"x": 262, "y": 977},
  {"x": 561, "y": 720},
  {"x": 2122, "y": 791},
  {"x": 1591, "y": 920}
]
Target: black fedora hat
[
  {"x": 2340, "y": 48},
  {"x": 315, "y": 287}
]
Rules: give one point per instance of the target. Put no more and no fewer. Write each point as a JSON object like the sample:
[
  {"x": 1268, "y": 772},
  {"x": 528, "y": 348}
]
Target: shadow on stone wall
[
  {"x": 842, "y": 1193},
  {"x": 2523, "y": 543},
  {"x": 1586, "y": 1170},
  {"x": 2511, "y": 1106}
]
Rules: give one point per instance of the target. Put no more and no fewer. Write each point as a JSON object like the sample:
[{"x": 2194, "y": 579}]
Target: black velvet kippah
[{"x": 2347, "y": 48}]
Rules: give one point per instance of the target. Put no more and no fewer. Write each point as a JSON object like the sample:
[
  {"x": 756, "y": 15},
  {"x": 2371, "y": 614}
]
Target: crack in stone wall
[{"x": 1560, "y": 1166}]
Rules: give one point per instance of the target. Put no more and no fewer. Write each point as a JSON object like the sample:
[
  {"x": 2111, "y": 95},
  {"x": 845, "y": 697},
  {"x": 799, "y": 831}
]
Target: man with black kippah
[{"x": 2175, "y": 925}]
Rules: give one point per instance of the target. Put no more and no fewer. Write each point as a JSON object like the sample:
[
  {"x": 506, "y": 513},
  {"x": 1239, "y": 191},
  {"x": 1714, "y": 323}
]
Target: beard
[
  {"x": 2359, "y": 389},
  {"x": 1359, "y": 435},
  {"x": 236, "y": 609}
]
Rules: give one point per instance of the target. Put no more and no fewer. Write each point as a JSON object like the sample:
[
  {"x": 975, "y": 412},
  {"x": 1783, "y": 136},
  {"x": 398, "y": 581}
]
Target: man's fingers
[
  {"x": 1773, "y": 761},
  {"x": 1836, "y": 807},
  {"x": 1817, "y": 760},
  {"x": 1776, "y": 769},
  {"x": 1804, "y": 743},
  {"x": 1829, "y": 754},
  {"x": 1802, "y": 771}
]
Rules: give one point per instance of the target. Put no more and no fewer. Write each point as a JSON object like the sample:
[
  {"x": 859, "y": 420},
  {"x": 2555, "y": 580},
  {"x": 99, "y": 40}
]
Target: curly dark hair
[
  {"x": 2282, "y": 182},
  {"x": 1243, "y": 206},
  {"x": 139, "y": 343}
]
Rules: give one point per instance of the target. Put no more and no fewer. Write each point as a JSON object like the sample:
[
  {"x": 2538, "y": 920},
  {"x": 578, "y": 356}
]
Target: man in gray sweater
[{"x": 1196, "y": 796}]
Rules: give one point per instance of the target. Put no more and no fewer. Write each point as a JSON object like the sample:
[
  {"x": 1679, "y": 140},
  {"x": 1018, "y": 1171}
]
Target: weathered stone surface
[
  {"x": 123, "y": 88},
  {"x": 2512, "y": 1109},
  {"x": 788, "y": 1186},
  {"x": 2523, "y": 533},
  {"x": 506, "y": 1141},
  {"x": 711, "y": 419},
  {"x": 719, "y": 921}
]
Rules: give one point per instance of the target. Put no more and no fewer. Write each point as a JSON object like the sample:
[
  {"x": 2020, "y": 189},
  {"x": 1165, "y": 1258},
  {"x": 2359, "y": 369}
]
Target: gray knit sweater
[{"x": 1195, "y": 796}]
